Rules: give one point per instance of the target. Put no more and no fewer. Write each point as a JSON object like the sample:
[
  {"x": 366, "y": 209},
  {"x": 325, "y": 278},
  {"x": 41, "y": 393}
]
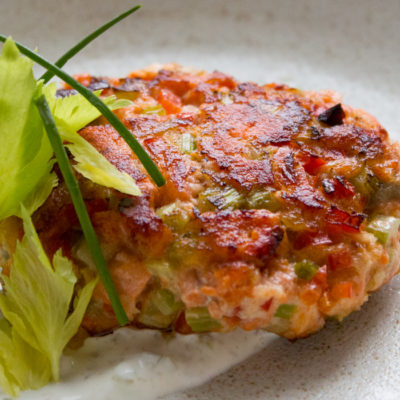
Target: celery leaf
[
  {"x": 73, "y": 113},
  {"x": 36, "y": 302},
  {"x": 95, "y": 167},
  {"x": 25, "y": 151},
  {"x": 76, "y": 111}
]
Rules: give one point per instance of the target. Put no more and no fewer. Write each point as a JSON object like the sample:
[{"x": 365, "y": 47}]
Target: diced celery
[
  {"x": 165, "y": 301},
  {"x": 204, "y": 203},
  {"x": 285, "y": 311},
  {"x": 384, "y": 228},
  {"x": 366, "y": 183},
  {"x": 159, "y": 309},
  {"x": 158, "y": 110},
  {"x": 306, "y": 269},
  {"x": 188, "y": 143},
  {"x": 200, "y": 320},
  {"x": 263, "y": 199},
  {"x": 294, "y": 221},
  {"x": 182, "y": 251},
  {"x": 174, "y": 216},
  {"x": 229, "y": 198},
  {"x": 152, "y": 317},
  {"x": 161, "y": 268}
]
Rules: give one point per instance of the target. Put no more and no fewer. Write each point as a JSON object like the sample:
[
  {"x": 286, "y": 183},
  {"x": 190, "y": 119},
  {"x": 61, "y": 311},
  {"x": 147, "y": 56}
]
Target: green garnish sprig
[
  {"x": 80, "y": 208},
  {"x": 132, "y": 142},
  {"x": 62, "y": 158}
]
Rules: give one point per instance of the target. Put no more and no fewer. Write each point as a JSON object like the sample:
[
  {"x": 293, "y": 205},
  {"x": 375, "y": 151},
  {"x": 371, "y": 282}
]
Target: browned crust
[{"x": 303, "y": 146}]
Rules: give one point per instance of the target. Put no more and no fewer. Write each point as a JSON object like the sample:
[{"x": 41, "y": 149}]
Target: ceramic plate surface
[{"x": 348, "y": 46}]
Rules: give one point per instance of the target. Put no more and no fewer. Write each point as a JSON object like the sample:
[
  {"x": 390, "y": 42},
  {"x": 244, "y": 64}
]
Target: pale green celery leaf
[
  {"x": 37, "y": 300},
  {"x": 22, "y": 366},
  {"x": 39, "y": 195},
  {"x": 76, "y": 111},
  {"x": 8, "y": 361},
  {"x": 25, "y": 151},
  {"x": 95, "y": 167},
  {"x": 73, "y": 113}
]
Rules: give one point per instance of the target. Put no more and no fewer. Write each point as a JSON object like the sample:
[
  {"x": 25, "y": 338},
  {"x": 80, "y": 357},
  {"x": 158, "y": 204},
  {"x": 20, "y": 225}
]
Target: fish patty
[{"x": 281, "y": 206}]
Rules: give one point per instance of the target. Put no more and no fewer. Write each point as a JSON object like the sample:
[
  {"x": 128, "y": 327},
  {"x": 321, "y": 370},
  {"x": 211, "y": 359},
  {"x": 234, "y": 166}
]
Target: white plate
[{"x": 349, "y": 46}]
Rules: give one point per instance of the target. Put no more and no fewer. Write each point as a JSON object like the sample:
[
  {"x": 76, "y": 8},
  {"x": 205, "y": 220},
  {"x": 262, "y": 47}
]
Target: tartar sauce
[{"x": 143, "y": 364}]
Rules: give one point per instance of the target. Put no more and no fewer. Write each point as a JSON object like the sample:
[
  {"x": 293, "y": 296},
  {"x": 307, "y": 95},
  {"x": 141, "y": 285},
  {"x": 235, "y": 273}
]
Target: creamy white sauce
[{"x": 144, "y": 364}]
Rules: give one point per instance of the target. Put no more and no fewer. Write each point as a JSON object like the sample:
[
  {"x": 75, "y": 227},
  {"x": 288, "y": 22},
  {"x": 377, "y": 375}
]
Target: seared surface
[{"x": 259, "y": 178}]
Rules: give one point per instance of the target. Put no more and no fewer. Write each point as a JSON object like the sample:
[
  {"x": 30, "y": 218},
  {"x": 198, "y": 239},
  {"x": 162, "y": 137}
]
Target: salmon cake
[{"x": 281, "y": 207}]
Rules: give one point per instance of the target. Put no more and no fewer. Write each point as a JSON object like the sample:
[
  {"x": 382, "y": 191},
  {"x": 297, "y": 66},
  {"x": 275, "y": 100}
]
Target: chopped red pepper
[
  {"x": 320, "y": 278},
  {"x": 338, "y": 220},
  {"x": 313, "y": 164},
  {"x": 170, "y": 101},
  {"x": 338, "y": 186},
  {"x": 181, "y": 326},
  {"x": 342, "y": 290},
  {"x": 340, "y": 260},
  {"x": 310, "y": 238},
  {"x": 267, "y": 305}
]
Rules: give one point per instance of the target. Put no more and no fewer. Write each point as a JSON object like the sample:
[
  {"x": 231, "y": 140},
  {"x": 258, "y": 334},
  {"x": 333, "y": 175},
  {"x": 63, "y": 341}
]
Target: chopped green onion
[
  {"x": 154, "y": 110},
  {"x": 285, "y": 311},
  {"x": 188, "y": 143},
  {"x": 80, "y": 208},
  {"x": 166, "y": 301},
  {"x": 306, "y": 269},
  {"x": 132, "y": 142},
  {"x": 84, "y": 42},
  {"x": 200, "y": 320},
  {"x": 384, "y": 228},
  {"x": 263, "y": 199}
]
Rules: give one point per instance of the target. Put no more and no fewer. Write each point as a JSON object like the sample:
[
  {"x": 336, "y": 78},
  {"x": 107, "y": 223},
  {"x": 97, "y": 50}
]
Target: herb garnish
[
  {"x": 132, "y": 142},
  {"x": 80, "y": 208},
  {"x": 41, "y": 305}
]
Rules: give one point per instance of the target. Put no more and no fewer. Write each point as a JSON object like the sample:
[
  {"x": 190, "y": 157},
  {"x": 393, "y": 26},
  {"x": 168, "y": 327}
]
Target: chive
[
  {"x": 188, "y": 143},
  {"x": 132, "y": 142},
  {"x": 80, "y": 208},
  {"x": 306, "y": 269},
  {"x": 285, "y": 311},
  {"x": 84, "y": 42}
]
